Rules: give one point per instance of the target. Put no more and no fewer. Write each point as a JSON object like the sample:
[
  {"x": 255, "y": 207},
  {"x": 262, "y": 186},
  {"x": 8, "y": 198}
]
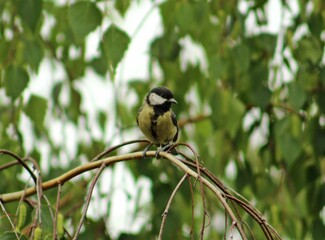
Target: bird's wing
[
  {"x": 176, "y": 124},
  {"x": 138, "y": 114}
]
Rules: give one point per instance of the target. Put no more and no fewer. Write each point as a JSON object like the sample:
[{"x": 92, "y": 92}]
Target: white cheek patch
[{"x": 155, "y": 99}]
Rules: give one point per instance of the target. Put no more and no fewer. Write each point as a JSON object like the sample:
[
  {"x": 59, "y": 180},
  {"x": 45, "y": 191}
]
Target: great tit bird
[{"x": 156, "y": 120}]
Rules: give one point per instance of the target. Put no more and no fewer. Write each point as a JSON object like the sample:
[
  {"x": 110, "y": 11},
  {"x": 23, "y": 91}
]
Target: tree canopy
[{"x": 251, "y": 105}]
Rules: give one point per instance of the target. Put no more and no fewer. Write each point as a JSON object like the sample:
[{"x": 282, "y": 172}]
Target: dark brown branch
[
  {"x": 3, "y": 151},
  {"x": 10, "y": 164}
]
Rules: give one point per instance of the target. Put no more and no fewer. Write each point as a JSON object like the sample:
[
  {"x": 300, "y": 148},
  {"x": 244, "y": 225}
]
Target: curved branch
[
  {"x": 9, "y": 197},
  {"x": 21, "y": 161},
  {"x": 14, "y": 196},
  {"x": 111, "y": 149}
]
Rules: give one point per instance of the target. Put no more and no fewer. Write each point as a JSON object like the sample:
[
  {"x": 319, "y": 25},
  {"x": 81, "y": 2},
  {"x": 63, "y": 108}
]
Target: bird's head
[{"x": 160, "y": 96}]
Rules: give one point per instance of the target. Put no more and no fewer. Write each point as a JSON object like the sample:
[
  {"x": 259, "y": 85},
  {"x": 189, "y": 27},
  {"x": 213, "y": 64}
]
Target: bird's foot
[
  {"x": 162, "y": 149},
  {"x": 146, "y": 150}
]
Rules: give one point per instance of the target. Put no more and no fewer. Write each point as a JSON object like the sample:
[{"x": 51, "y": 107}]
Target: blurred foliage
[{"x": 270, "y": 129}]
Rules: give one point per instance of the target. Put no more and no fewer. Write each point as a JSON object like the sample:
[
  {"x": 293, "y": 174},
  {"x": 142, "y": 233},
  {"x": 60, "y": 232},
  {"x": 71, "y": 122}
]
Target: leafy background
[{"x": 252, "y": 105}]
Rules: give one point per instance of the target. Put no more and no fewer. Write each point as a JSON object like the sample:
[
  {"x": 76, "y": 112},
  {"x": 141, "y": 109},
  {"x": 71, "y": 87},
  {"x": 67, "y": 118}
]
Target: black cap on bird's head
[{"x": 160, "y": 96}]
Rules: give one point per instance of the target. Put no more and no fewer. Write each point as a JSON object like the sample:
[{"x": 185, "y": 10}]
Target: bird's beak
[{"x": 173, "y": 101}]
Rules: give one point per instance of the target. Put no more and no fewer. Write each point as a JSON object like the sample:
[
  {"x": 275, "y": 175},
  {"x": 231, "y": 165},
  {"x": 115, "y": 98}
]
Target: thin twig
[
  {"x": 91, "y": 188},
  {"x": 205, "y": 212},
  {"x": 198, "y": 118},
  {"x": 49, "y": 206},
  {"x": 226, "y": 224},
  {"x": 164, "y": 215},
  {"x": 192, "y": 207},
  {"x": 193, "y": 165},
  {"x": 255, "y": 214},
  {"x": 3, "y": 151},
  {"x": 55, "y": 233},
  {"x": 111, "y": 149},
  {"x": 249, "y": 229},
  {"x": 11, "y": 223},
  {"x": 10, "y": 164},
  {"x": 274, "y": 231},
  {"x": 38, "y": 169},
  {"x": 39, "y": 189},
  {"x": 39, "y": 198},
  {"x": 22, "y": 197},
  {"x": 210, "y": 186},
  {"x": 233, "y": 224}
]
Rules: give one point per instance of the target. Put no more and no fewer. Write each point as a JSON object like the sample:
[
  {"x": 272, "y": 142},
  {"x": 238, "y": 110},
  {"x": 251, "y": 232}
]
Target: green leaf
[
  {"x": 227, "y": 111},
  {"x": 83, "y": 17},
  {"x": 126, "y": 117},
  {"x": 99, "y": 64},
  {"x": 96, "y": 227},
  {"x": 316, "y": 24},
  {"x": 33, "y": 54},
  {"x": 264, "y": 42},
  {"x": 310, "y": 50},
  {"x": 289, "y": 147},
  {"x": 322, "y": 76},
  {"x": 319, "y": 140},
  {"x": 15, "y": 81},
  {"x": 217, "y": 67},
  {"x": 191, "y": 17},
  {"x": 287, "y": 142},
  {"x": 122, "y": 6},
  {"x": 320, "y": 98},
  {"x": 102, "y": 119},
  {"x": 75, "y": 68},
  {"x": 56, "y": 90},
  {"x": 11, "y": 235},
  {"x": 4, "y": 51},
  {"x": 312, "y": 76},
  {"x": 297, "y": 95},
  {"x": 30, "y": 12},
  {"x": 318, "y": 229},
  {"x": 115, "y": 43},
  {"x": 241, "y": 58},
  {"x": 74, "y": 110},
  {"x": 166, "y": 48},
  {"x": 259, "y": 94},
  {"x": 36, "y": 110}
]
